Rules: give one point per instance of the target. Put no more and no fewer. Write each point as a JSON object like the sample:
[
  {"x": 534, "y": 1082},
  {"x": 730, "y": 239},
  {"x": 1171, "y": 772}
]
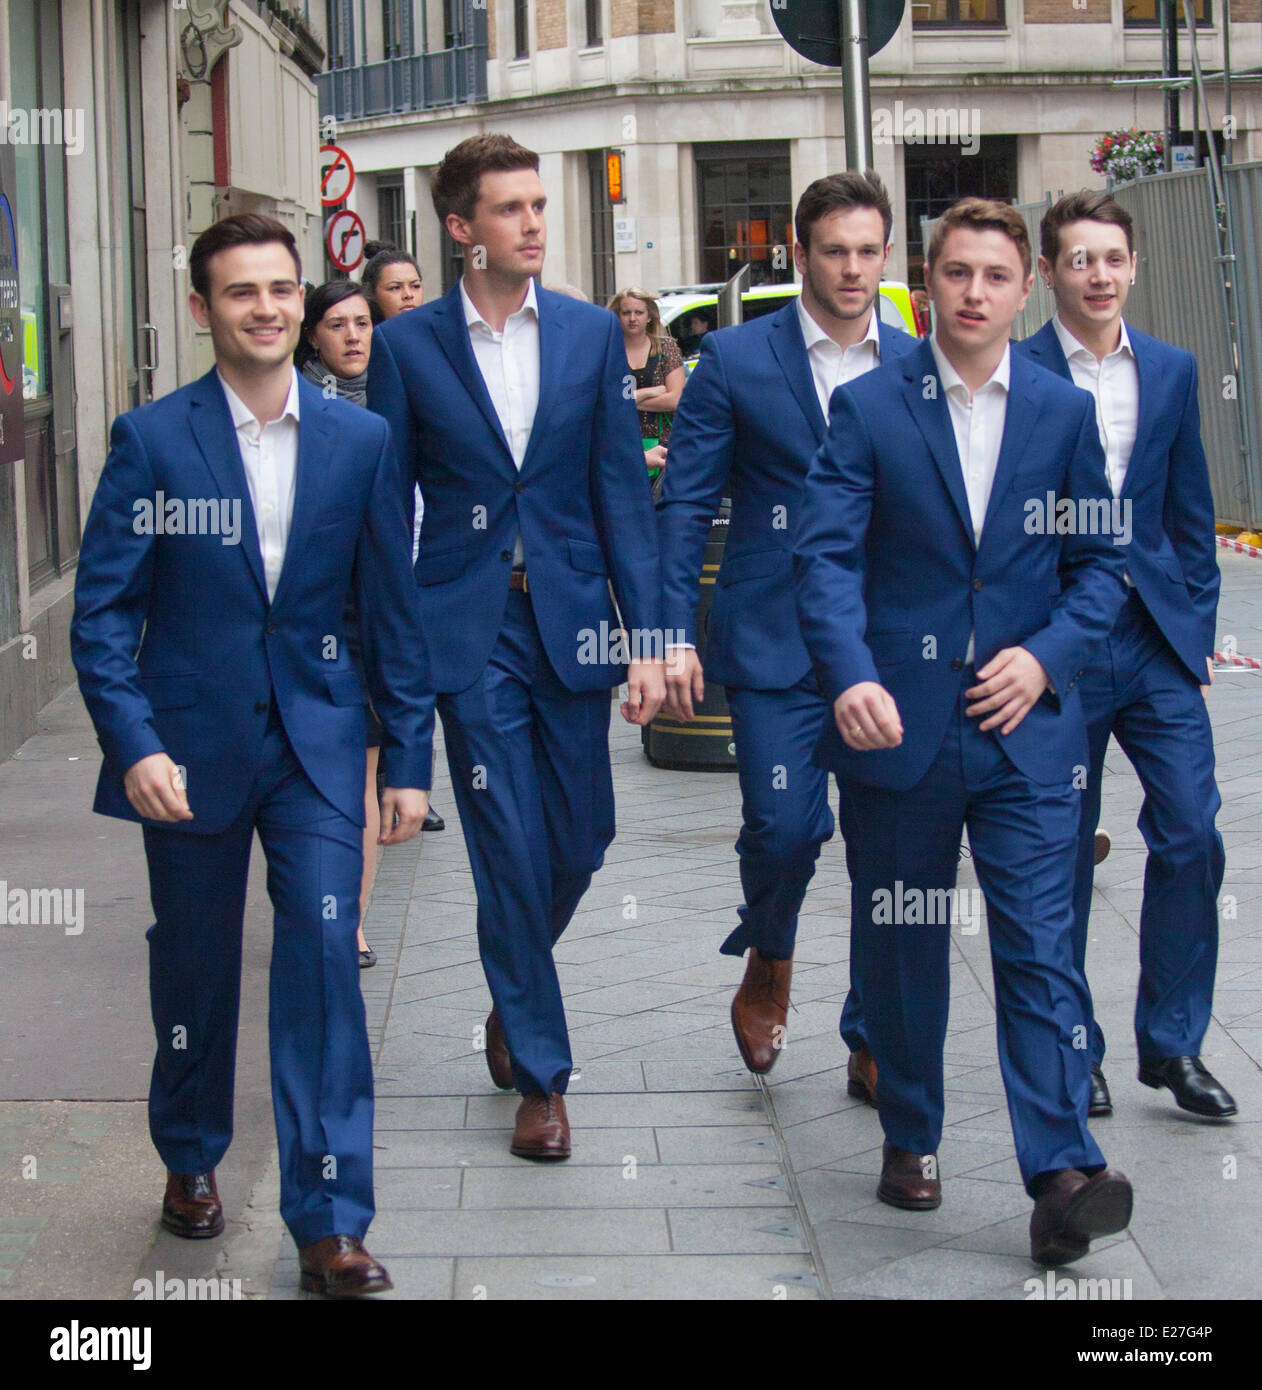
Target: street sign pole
[{"x": 855, "y": 86}]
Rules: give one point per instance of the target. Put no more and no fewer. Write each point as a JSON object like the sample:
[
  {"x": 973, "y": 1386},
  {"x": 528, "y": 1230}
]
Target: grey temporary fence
[{"x": 1179, "y": 297}]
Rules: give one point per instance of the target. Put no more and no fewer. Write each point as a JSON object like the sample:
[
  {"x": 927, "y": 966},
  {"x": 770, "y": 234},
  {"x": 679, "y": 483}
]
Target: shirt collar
[
  {"x": 813, "y": 334},
  {"x": 472, "y": 315},
  {"x": 952, "y": 380},
  {"x": 243, "y": 415},
  {"x": 1070, "y": 345}
]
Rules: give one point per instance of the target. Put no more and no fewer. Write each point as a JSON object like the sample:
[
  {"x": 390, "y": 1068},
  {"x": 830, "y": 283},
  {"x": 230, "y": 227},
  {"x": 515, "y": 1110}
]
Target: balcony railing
[{"x": 449, "y": 77}]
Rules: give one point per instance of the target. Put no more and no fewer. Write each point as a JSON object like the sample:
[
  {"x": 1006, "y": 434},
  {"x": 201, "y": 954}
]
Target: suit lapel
[
  {"x": 1044, "y": 346},
  {"x": 551, "y": 362},
  {"x": 453, "y": 337},
  {"x": 933, "y": 417},
  {"x": 790, "y": 349},
  {"x": 316, "y": 447},
  {"x": 1023, "y": 405},
  {"x": 210, "y": 422},
  {"x": 1148, "y": 369}
]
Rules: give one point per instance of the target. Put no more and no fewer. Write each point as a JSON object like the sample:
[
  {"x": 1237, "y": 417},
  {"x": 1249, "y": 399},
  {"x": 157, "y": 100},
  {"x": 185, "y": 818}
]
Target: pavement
[{"x": 691, "y": 1179}]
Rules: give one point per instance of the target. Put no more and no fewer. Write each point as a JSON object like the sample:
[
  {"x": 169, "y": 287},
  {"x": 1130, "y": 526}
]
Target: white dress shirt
[
  {"x": 1114, "y": 383},
  {"x": 831, "y": 364},
  {"x": 977, "y": 418},
  {"x": 509, "y": 363},
  {"x": 269, "y": 454}
]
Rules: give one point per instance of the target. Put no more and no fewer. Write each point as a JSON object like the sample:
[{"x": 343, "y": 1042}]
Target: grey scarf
[{"x": 348, "y": 388}]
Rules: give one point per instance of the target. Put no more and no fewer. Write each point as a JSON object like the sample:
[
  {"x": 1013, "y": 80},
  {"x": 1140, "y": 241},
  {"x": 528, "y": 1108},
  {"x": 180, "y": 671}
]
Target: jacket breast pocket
[
  {"x": 1037, "y": 482},
  {"x": 892, "y": 646},
  {"x": 169, "y": 692}
]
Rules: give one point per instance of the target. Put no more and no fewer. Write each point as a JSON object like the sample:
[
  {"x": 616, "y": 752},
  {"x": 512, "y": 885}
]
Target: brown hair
[
  {"x": 1083, "y": 206},
  {"x": 455, "y": 184},
  {"x": 839, "y": 192},
  {"x": 245, "y": 229},
  {"x": 655, "y": 330},
  {"x": 982, "y": 214}
]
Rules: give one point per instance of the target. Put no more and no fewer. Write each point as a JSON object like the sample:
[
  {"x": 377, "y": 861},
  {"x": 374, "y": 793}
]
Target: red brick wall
[
  {"x": 550, "y": 24},
  {"x": 641, "y": 17}
]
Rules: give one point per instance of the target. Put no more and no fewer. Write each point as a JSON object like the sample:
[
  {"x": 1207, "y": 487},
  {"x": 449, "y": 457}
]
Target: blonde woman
[{"x": 655, "y": 362}]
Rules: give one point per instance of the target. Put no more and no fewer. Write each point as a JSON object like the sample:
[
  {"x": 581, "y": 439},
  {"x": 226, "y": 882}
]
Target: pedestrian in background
[{"x": 658, "y": 368}]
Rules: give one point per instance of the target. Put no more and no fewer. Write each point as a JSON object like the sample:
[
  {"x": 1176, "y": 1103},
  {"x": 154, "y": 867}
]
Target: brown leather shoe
[
  {"x": 909, "y": 1180},
  {"x": 498, "y": 1062},
  {"x": 191, "y": 1206},
  {"x": 861, "y": 1076},
  {"x": 340, "y": 1267},
  {"x": 760, "y": 1010},
  {"x": 543, "y": 1130},
  {"x": 1101, "y": 847},
  {"x": 1071, "y": 1208}
]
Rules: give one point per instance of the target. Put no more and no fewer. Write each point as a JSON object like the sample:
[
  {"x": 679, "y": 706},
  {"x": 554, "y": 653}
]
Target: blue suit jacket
[
  {"x": 890, "y": 583},
  {"x": 173, "y": 636},
  {"x": 747, "y": 425},
  {"x": 1172, "y": 558},
  {"x": 581, "y": 501}
]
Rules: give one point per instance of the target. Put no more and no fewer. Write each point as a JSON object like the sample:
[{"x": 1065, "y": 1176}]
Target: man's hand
[
  {"x": 1209, "y": 666},
  {"x": 402, "y": 811},
  {"x": 156, "y": 790},
  {"x": 867, "y": 717},
  {"x": 1010, "y": 684},
  {"x": 646, "y": 689},
  {"x": 684, "y": 682}
]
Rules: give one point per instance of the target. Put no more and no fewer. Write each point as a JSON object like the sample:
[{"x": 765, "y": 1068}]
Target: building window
[
  {"x": 340, "y": 20},
  {"x": 396, "y": 26},
  {"x": 937, "y": 175},
  {"x": 392, "y": 219},
  {"x": 521, "y": 28},
  {"x": 594, "y": 36},
  {"x": 601, "y": 209},
  {"x": 957, "y": 14},
  {"x": 745, "y": 211},
  {"x": 1145, "y": 14}
]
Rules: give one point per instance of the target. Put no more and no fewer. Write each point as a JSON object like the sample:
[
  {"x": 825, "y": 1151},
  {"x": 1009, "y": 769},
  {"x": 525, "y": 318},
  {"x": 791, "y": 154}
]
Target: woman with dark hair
[
  {"x": 332, "y": 352},
  {"x": 392, "y": 280}
]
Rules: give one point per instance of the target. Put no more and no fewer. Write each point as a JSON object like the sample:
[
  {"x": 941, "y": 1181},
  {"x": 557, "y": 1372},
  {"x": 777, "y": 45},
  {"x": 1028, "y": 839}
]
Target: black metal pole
[{"x": 1170, "y": 68}]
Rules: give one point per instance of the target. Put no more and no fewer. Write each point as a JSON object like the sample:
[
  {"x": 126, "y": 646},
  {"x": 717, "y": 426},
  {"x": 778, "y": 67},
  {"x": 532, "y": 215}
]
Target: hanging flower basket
[{"x": 1127, "y": 154}]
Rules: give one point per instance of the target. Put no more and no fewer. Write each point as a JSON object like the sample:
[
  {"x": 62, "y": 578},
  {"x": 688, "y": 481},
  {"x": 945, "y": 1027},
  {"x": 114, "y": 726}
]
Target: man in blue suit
[
  {"x": 1147, "y": 685},
  {"x": 753, "y": 414},
  {"x": 224, "y": 533},
  {"x": 513, "y": 408},
  {"x": 949, "y": 635}
]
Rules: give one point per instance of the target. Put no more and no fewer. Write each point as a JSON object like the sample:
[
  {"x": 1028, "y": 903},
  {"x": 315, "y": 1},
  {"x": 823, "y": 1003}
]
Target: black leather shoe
[
  {"x": 1101, "y": 1102},
  {"x": 367, "y": 958},
  {"x": 1192, "y": 1086},
  {"x": 1100, "y": 850},
  {"x": 433, "y": 821},
  {"x": 1072, "y": 1208}
]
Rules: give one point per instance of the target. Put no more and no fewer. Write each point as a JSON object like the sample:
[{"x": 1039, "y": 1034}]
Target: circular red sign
[
  {"x": 340, "y": 167},
  {"x": 344, "y": 238}
]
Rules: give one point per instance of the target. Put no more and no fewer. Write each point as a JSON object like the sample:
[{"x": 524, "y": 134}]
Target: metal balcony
[{"x": 422, "y": 82}]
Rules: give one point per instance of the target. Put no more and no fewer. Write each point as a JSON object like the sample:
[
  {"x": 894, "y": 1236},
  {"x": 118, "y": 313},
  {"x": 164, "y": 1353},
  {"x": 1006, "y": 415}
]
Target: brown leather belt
[{"x": 518, "y": 581}]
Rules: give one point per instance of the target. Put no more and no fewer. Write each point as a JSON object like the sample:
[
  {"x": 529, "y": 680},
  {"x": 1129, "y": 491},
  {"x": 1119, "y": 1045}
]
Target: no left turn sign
[
  {"x": 337, "y": 175},
  {"x": 344, "y": 239}
]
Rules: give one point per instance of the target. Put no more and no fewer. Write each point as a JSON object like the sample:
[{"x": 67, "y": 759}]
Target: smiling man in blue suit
[
  {"x": 949, "y": 636},
  {"x": 753, "y": 414},
  {"x": 223, "y": 536},
  {"x": 513, "y": 408},
  {"x": 1146, "y": 685}
]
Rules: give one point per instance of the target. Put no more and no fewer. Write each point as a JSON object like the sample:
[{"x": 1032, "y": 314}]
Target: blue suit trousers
[
  {"x": 322, "y": 1092},
  {"x": 530, "y": 770},
  {"x": 1138, "y": 690},
  {"x": 785, "y": 819},
  {"x": 903, "y": 845}
]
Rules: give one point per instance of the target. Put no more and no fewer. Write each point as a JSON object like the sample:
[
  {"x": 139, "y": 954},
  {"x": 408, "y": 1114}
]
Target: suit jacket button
[
  {"x": 977, "y": 584},
  {"x": 260, "y": 707},
  {"x": 957, "y": 664},
  {"x": 270, "y": 628},
  {"x": 519, "y": 487},
  {"x": 506, "y": 554}
]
